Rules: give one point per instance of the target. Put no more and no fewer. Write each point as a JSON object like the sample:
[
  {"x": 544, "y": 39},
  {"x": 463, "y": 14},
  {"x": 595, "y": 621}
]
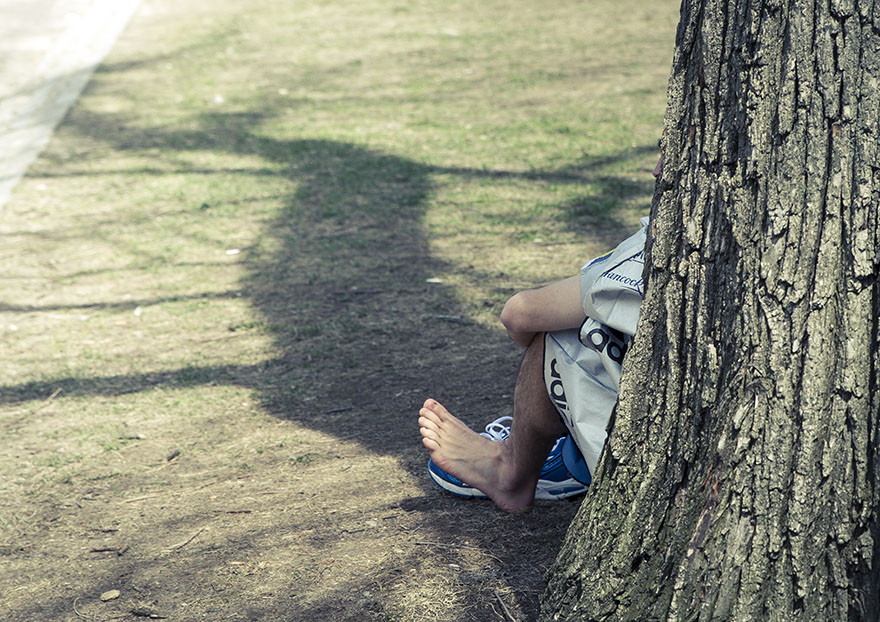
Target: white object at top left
[{"x": 48, "y": 51}]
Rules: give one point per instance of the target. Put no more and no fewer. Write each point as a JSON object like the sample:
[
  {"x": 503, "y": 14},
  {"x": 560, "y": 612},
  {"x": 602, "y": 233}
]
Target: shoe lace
[{"x": 498, "y": 430}]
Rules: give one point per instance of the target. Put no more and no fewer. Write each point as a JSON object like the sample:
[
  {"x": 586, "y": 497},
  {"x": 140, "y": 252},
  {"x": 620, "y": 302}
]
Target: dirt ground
[
  {"x": 269, "y": 506},
  {"x": 232, "y": 279},
  {"x": 335, "y": 522}
]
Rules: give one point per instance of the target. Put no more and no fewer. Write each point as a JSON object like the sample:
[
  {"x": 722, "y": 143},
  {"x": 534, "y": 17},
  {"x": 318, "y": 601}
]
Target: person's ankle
[{"x": 512, "y": 480}]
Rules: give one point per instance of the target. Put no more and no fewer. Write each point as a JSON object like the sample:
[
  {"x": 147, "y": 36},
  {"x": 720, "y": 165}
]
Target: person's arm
[{"x": 556, "y": 306}]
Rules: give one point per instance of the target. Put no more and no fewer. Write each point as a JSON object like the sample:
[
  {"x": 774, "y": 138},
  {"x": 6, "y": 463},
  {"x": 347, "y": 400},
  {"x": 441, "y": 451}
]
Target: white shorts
[
  {"x": 573, "y": 375},
  {"x": 582, "y": 366}
]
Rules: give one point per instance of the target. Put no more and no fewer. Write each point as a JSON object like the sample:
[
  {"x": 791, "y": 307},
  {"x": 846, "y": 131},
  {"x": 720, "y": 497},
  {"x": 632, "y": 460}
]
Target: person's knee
[{"x": 515, "y": 315}]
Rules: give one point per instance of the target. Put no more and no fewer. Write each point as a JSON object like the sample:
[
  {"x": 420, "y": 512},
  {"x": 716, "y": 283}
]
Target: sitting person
[{"x": 576, "y": 332}]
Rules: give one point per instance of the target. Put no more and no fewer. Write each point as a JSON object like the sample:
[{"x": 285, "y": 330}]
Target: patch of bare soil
[{"x": 337, "y": 521}]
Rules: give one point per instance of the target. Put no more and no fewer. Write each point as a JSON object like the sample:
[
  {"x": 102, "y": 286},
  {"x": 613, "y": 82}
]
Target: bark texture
[{"x": 742, "y": 476}]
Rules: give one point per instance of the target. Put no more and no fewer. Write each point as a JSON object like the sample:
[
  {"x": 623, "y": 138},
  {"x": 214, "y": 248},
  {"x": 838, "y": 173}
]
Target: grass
[{"x": 225, "y": 251}]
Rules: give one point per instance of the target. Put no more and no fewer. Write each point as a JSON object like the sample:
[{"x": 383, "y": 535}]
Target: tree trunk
[{"x": 742, "y": 476}]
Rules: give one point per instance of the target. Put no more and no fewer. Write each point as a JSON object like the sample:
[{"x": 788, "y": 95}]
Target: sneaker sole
[
  {"x": 460, "y": 490},
  {"x": 554, "y": 490},
  {"x": 546, "y": 490}
]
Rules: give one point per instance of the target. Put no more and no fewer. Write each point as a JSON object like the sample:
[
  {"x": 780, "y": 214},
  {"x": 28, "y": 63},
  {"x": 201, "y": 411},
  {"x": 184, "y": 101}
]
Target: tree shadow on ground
[{"x": 340, "y": 279}]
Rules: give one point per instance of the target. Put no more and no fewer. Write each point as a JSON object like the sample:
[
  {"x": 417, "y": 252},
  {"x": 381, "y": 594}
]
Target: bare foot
[{"x": 482, "y": 463}]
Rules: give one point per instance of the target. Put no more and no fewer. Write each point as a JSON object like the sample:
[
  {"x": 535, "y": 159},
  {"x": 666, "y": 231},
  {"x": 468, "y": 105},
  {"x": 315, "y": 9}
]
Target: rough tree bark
[{"x": 742, "y": 476}]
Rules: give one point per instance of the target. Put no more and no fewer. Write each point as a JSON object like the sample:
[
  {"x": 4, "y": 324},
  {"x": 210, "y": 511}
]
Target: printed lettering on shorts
[
  {"x": 612, "y": 343},
  {"x": 628, "y": 282},
  {"x": 556, "y": 389}
]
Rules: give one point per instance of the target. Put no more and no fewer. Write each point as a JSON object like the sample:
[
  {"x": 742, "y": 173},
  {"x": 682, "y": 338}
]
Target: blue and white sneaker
[
  {"x": 450, "y": 483},
  {"x": 554, "y": 482}
]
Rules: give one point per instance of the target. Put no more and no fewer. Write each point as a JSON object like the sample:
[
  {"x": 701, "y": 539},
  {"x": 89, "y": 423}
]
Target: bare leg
[{"x": 507, "y": 472}]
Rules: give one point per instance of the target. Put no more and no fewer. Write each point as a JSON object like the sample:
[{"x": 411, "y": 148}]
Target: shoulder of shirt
[
  {"x": 644, "y": 221},
  {"x": 599, "y": 259}
]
